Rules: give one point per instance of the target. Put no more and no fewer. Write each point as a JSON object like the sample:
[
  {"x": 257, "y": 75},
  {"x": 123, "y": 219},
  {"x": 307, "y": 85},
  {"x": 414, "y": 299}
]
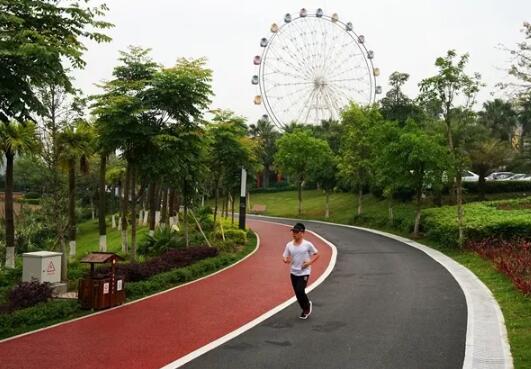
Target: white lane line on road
[
  {"x": 212, "y": 345},
  {"x": 487, "y": 345}
]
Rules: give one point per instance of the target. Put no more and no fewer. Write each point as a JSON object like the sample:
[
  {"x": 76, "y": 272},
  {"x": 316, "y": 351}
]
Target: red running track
[{"x": 154, "y": 332}]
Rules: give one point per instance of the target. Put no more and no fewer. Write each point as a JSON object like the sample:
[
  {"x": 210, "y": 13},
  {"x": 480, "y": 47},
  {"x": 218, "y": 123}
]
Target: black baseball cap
[{"x": 299, "y": 227}]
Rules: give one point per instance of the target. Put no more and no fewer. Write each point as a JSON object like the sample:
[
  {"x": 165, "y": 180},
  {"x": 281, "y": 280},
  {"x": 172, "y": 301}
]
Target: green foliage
[
  {"x": 38, "y": 316},
  {"x": 37, "y": 38},
  {"x": 481, "y": 220},
  {"x": 164, "y": 239},
  {"x": 356, "y": 146},
  {"x": 499, "y": 187}
]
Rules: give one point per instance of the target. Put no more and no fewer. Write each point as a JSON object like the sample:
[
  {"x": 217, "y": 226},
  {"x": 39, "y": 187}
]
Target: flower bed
[{"x": 513, "y": 258}]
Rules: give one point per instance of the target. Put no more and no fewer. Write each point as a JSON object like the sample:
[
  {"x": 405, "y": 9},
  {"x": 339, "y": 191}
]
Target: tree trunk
[
  {"x": 481, "y": 186},
  {"x": 64, "y": 260},
  {"x": 185, "y": 195},
  {"x": 72, "y": 206},
  {"x": 265, "y": 180},
  {"x": 152, "y": 207},
  {"x": 460, "y": 211},
  {"x": 299, "y": 193},
  {"x": 125, "y": 208},
  {"x": 360, "y": 199},
  {"x": 216, "y": 199},
  {"x": 390, "y": 209},
  {"x": 102, "y": 204},
  {"x": 133, "y": 213},
  {"x": 164, "y": 211},
  {"x": 9, "y": 216},
  {"x": 327, "y": 211},
  {"x": 417, "y": 213},
  {"x": 171, "y": 207},
  {"x": 232, "y": 210}
]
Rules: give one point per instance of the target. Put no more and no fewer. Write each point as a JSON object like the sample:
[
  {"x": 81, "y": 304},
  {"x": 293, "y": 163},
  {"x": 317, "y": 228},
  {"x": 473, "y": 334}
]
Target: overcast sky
[{"x": 406, "y": 36}]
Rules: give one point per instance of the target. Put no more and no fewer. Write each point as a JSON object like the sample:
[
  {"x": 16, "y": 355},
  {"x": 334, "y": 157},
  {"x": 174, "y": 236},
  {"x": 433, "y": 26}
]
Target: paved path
[
  {"x": 385, "y": 305},
  {"x": 158, "y": 330}
]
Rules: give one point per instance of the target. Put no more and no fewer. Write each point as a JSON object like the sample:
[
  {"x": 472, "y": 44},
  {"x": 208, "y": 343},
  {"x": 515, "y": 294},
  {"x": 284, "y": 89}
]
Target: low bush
[
  {"x": 133, "y": 272},
  {"x": 272, "y": 189},
  {"x": 513, "y": 258},
  {"x": 26, "y": 294},
  {"x": 32, "y": 195},
  {"x": 481, "y": 221},
  {"x": 238, "y": 236},
  {"x": 499, "y": 186},
  {"x": 37, "y": 316}
]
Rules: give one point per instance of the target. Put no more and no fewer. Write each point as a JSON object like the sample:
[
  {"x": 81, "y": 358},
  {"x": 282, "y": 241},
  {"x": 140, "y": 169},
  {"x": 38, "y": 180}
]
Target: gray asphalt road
[{"x": 385, "y": 305}]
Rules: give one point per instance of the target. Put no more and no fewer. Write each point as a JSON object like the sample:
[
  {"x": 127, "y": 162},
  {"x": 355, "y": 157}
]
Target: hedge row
[
  {"x": 481, "y": 220},
  {"x": 499, "y": 186}
]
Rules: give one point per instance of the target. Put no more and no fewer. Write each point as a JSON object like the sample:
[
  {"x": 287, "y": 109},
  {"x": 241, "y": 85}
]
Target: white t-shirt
[{"x": 300, "y": 253}]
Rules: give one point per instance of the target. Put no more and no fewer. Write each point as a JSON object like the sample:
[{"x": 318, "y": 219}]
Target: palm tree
[
  {"x": 487, "y": 155},
  {"x": 265, "y": 131},
  {"x": 75, "y": 146},
  {"x": 15, "y": 139},
  {"x": 500, "y": 118}
]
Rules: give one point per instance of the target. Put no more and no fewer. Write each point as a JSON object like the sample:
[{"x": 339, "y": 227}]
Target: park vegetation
[{"x": 144, "y": 161}]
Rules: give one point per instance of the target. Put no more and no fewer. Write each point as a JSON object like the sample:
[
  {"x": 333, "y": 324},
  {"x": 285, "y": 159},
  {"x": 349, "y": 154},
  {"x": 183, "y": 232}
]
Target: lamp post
[{"x": 243, "y": 194}]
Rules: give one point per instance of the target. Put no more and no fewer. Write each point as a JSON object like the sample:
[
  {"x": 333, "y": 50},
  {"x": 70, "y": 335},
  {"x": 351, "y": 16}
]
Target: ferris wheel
[{"x": 311, "y": 67}]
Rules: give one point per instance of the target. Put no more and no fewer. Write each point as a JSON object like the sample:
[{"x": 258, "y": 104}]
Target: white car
[
  {"x": 468, "y": 176},
  {"x": 520, "y": 177},
  {"x": 499, "y": 176}
]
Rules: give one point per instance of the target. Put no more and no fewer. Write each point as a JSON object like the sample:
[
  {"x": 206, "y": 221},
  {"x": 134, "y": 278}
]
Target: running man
[{"x": 301, "y": 254}]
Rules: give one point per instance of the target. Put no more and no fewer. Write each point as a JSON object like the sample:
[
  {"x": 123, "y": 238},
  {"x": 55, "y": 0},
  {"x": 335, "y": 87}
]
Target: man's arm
[{"x": 312, "y": 260}]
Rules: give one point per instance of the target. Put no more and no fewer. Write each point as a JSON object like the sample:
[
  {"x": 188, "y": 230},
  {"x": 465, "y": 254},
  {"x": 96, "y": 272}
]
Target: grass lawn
[
  {"x": 88, "y": 238},
  {"x": 515, "y": 306}
]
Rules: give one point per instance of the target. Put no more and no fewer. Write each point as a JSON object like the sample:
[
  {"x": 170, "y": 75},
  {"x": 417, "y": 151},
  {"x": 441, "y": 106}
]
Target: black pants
[{"x": 299, "y": 284}]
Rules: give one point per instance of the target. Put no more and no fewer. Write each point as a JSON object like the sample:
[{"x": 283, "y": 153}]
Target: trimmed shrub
[
  {"x": 27, "y": 294},
  {"x": 133, "y": 272},
  {"x": 238, "y": 236},
  {"x": 37, "y": 316},
  {"x": 482, "y": 220},
  {"x": 499, "y": 186}
]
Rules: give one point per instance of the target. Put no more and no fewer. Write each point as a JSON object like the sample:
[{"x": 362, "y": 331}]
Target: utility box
[{"x": 42, "y": 266}]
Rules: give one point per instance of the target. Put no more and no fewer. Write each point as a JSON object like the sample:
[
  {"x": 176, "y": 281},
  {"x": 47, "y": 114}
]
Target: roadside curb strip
[{"x": 487, "y": 345}]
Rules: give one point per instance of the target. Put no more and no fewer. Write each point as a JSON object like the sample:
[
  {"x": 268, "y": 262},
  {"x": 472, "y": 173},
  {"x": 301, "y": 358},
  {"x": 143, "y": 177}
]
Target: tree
[
  {"x": 447, "y": 87},
  {"x": 229, "y": 150},
  {"x": 324, "y": 172},
  {"x": 384, "y": 137},
  {"x": 356, "y": 147},
  {"x": 15, "y": 139},
  {"x": 500, "y": 118},
  {"x": 75, "y": 146},
  {"x": 297, "y": 153},
  {"x": 395, "y": 105},
  {"x": 521, "y": 67},
  {"x": 419, "y": 158},
  {"x": 123, "y": 121},
  {"x": 485, "y": 155},
  {"x": 264, "y": 131},
  {"x": 37, "y": 38}
]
